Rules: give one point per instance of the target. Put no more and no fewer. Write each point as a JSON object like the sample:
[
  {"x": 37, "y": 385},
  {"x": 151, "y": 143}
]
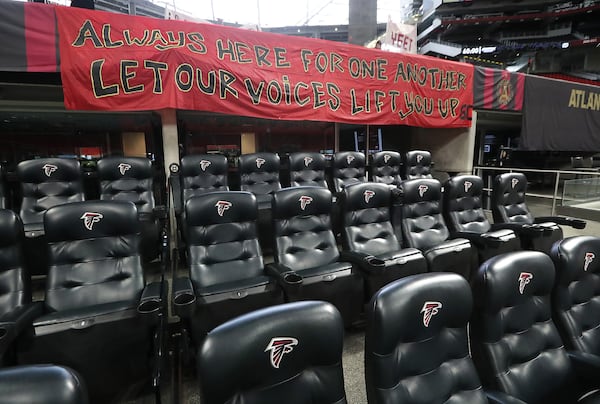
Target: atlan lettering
[{"x": 584, "y": 100}]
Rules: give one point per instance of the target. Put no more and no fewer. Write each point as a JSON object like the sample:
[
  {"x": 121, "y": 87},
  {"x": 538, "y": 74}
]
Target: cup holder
[
  {"x": 292, "y": 278},
  {"x": 184, "y": 299},
  {"x": 3, "y": 332},
  {"x": 149, "y": 306},
  {"x": 375, "y": 262}
]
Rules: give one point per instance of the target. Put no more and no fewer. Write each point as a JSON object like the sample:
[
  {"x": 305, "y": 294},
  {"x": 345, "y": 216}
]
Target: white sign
[{"x": 400, "y": 38}]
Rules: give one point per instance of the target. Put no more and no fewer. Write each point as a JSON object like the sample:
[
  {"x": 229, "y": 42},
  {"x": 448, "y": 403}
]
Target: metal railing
[{"x": 588, "y": 172}]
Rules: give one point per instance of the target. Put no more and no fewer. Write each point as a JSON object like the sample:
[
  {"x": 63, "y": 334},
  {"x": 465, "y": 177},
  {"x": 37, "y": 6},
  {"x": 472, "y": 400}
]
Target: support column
[
  {"x": 171, "y": 155},
  {"x": 362, "y": 22}
]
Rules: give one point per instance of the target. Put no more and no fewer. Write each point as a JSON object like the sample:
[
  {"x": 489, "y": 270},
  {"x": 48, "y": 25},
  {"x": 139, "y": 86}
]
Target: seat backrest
[
  {"x": 385, "y": 167},
  {"x": 416, "y": 342},
  {"x": 302, "y": 228},
  {"x": 348, "y": 168},
  {"x": 259, "y": 173},
  {"x": 222, "y": 239},
  {"x": 515, "y": 345},
  {"x": 289, "y": 353},
  {"x": 93, "y": 254},
  {"x": 366, "y": 225},
  {"x": 42, "y": 384},
  {"x": 508, "y": 199},
  {"x": 307, "y": 169},
  {"x": 461, "y": 204},
  {"x": 15, "y": 284},
  {"x": 127, "y": 179},
  {"x": 46, "y": 183},
  {"x": 576, "y": 294},
  {"x": 417, "y": 164},
  {"x": 421, "y": 218},
  {"x": 201, "y": 173}
]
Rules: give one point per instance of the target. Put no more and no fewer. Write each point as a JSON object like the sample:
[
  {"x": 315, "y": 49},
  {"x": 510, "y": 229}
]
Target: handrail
[{"x": 591, "y": 172}]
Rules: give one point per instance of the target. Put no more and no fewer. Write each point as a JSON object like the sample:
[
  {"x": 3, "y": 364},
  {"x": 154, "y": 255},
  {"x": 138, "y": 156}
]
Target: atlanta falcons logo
[
  {"x": 386, "y": 158},
  {"x": 280, "y": 346},
  {"x": 514, "y": 182},
  {"x": 259, "y": 162},
  {"x": 350, "y": 159},
  {"x": 422, "y": 189},
  {"x": 49, "y": 169},
  {"x": 429, "y": 310},
  {"x": 123, "y": 167},
  {"x": 589, "y": 257},
  {"x": 307, "y": 161},
  {"x": 304, "y": 200},
  {"x": 468, "y": 185},
  {"x": 222, "y": 206},
  {"x": 368, "y": 195},
  {"x": 89, "y": 218},
  {"x": 204, "y": 164},
  {"x": 524, "y": 279},
  {"x": 419, "y": 158}
]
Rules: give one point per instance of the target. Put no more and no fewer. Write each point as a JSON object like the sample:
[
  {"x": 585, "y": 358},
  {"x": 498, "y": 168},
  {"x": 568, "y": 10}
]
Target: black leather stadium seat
[
  {"x": 226, "y": 269},
  {"x": 515, "y": 344},
  {"x": 417, "y": 217},
  {"x": 290, "y": 354},
  {"x": 132, "y": 179},
  {"x": 307, "y": 169},
  {"x": 385, "y": 168},
  {"x": 368, "y": 237},
  {"x": 464, "y": 215},
  {"x": 45, "y": 183},
  {"x": 100, "y": 316},
  {"x": 416, "y": 165},
  {"x": 42, "y": 384},
  {"x": 307, "y": 261},
  {"x": 416, "y": 345},
  {"x": 259, "y": 174},
  {"x": 510, "y": 207},
  {"x": 16, "y": 308},
  {"x": 348, "y": 168},
  {"x": 576, "y": 295}
]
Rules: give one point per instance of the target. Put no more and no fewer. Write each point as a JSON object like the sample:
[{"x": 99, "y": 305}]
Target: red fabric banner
[{"x": 121, "y": 62}]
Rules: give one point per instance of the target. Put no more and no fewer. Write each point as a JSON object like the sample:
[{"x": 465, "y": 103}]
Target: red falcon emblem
[
  {"x": 524, "y": 279},
  {"x": 123, "y": 167},
  {"x": 259, "y": 162},
  {"x": 422, "y": 189},
  {"x": 307, "y": 161},
  {"x": 89, "y": 218},
  {"x": 386, "y": 158},
  {"x": 304, "y": 200},
  {"x": 589, "y": 257},
  {"x": 368, "y": 195},
  {"x": 222, "y": 206},
  {"x": 204, "y": 164},
  {"x": 468, "y": 185},
  {"x": 280, "y": 346},
  {"x": 49, "y": 169},
  {"x": 429, "y": 310},
  {"x": 350, "y": 158},
  {"x": 514, "y": 182},
  {"x": 419, "y": 158}
]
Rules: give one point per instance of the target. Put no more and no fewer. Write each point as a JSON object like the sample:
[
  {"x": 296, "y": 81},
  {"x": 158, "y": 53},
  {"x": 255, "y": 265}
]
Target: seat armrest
[
  {"x": 365, "y": 262},
  {"x": 287, "y": 278},
  {"x": 184, "y": 298},
  {"x": 175, "y": 186},
  {"x": 151, "y": 303},
  {"x": 587, "y": 366},
  {"x": 562, "y": 220},
  {"x": 522, "y": 229},
  {"x": 499, "y": 397},
  {"x": 478, "y": 239}
]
